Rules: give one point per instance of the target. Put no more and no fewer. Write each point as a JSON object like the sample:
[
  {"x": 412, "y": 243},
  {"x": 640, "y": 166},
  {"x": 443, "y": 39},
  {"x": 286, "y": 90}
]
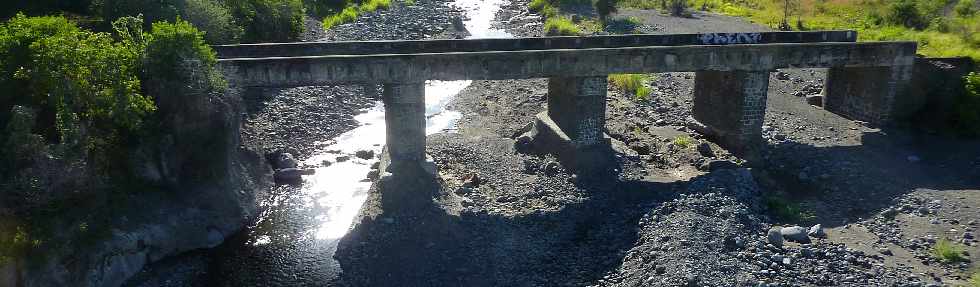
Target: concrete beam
[
  {"x": 517, "y": 44},
  {"x": 324, "y": 70}
]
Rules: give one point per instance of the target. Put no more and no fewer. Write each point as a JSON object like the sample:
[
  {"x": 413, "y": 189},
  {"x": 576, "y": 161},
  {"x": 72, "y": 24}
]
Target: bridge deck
[
  {"x": 520, "y": 44},
  {"x": 498, "y": 65}
]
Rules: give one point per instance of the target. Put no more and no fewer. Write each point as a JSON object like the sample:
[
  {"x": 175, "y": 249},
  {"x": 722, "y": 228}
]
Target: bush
[
  {"x": 269, "y": 20},
  {"x": 180, "y": 65},
  {"x": 948, "y": 252},
  {"x": 561, "y": 26},
  {"x": 214, "y": 19},
  {"x": 632, "y": 84},
  {"x": 21, "y": 145},
  {"x": 905, "y": 13},
  {"x": 152, "y": 10},
  {"x": 966, "y": 119},
  {"x": 83, "y": 85},
  {"x": 965, "y": 8},
  {"x": 683, "y": 142}
]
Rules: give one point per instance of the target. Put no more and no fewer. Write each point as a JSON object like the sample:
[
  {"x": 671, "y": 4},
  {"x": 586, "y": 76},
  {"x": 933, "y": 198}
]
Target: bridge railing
[{"x": 300, "y": 49}]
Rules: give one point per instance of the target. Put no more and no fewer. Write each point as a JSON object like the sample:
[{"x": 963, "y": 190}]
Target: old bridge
[{"x": 732, "y": 76}]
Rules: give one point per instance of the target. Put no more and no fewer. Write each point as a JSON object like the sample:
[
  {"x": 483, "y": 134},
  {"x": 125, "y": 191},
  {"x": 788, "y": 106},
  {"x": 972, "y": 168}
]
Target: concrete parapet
[
  {"x": 732, "y": 106},
  {"x": 867, "y": 93}
]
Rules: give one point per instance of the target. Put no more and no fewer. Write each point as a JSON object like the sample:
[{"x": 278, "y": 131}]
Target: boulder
[
  {"x": 364, "y": 154},
  {"x": 795, "y": 234},
  {"x": 281, "y": 160},
  {"x": 292, "y": 175},
  {"x": 774, "y": 237},
  {"x": 705, "y": 150},
  {"x": 817, "y": 231}
]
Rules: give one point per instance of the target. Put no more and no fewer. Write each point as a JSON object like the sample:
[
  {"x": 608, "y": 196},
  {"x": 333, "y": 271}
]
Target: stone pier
[
  {"x": 578, "y": 106},
  {"x": 866, "y": 93},
  {"x": 731, "y": 106},
  {"x": 404, "y": 125}
]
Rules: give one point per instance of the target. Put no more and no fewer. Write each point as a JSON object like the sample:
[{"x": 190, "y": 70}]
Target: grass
[
  {"x": 941, "y": 34},
  {"x": 683, "y": 142},
  {"x": 350, "y": 13},
  {"x": 561, "y": 26},
  {"x": 631, "y": 84},
  {"x": 786, "y": 210},
  {"x": 947, "y": 251},
  {"x": 975, "y": 279}
]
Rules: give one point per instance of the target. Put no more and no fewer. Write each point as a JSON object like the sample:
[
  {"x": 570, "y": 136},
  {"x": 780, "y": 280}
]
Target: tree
[{"x": 603, "y": 8}]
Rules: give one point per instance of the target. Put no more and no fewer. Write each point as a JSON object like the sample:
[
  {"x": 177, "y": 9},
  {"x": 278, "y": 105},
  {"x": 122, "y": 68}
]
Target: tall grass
[
  {"x": 561, "y": 26},
  {"x": 631, "y": 84},
  {"x": 948, "y": 252},
  {"x": 352, "y": 11}
]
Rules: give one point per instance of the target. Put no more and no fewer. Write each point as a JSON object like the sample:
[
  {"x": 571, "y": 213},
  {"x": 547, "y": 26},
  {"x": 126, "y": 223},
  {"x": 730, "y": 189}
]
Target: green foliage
[
  {"x": 180, "y": 67},
  {"x": 683, "y": 142},
  {"x": 603, "y": 8},
  {"x": 975, "y": 279},
  {"x": 561, "y": 26},
  {"x": 82, "y": 83},
  {"x": 350, "y": 13},
  {"x": 21, "y": 145},
  {"x": 631, "y": 84},
  {"x": 215, "y": 19},
  {"x": 947, "y": 252},
  {"x": 787, "y": 211},
  {"x": 905, "y": 13},
  {"x": 10, "y": 8},
  {"x": 966, "y": 119},
  {"x": 965, "y": 8},
  {"x": 152, "y": 10},
  {"x": 268, "y": 20}
]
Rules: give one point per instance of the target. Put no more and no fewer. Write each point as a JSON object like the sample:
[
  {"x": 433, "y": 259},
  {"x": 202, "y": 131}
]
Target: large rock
[
  {"x": 817, "y": 231},
  {"x": 774, "y": 237},
  {"x": 795, "y": 234},
  {"x": 281, "y": 160},
  {"x": 292, "y": 175}
]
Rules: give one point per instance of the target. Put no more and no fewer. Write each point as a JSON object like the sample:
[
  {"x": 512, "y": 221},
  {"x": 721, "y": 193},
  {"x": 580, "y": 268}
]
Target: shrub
[
  {"x": 180, "y": 65},
  {"x": 786, "y": 210},
  {"x": 683, "y": 142},
  {"x": 966, "y": 116},
  {"x": 965, "y": 8},
  {"x": 561, "y": 26},
  {"x": 538, "y": 5},
  {"x": 676, "y": 7},
  {"x": 214, "y": 19},
  {"x": 83, "y": 84},
  {"x": 632, "y": 84},
  {"x": 373, "y": 5},
  {"x": 349, "y": 14},
  {"x": 905, "y": 13},
  {"x": 947, "y": 252},
  {"x": 21, "y": 145},
  {"x": 269, "y": 20},
  {"x": 152, "y": 10}
]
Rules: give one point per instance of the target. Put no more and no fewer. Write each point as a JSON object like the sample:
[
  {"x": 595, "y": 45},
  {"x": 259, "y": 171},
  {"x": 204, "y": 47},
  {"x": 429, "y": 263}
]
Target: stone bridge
[{"x": 732, "y": 77}]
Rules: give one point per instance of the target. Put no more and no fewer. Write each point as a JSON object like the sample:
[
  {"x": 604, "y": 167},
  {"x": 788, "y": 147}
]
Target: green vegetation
[
  {"x": 631, "y": 84},
  {"x": 975, "y": 279},
  {"x": 215, "y": 19},
  {"x": 683, "y": 142},
  {"x": 83, "y": 85},
  {"x": 77, "y": 104},
  {"x": 940, "y": 32},
  {"x": 786, "y": 210},
  {"x": 561, "y": 26},
  {"x": 966, "y": 117},
  {"x": 268, "y": 20},
  {"x": 352, "y": 10},
  {"x": 947, "y": 252}
]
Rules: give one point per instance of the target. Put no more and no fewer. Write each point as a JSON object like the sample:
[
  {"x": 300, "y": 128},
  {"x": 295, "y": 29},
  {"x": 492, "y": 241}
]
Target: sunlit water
[{"x": 339, "y": 190}]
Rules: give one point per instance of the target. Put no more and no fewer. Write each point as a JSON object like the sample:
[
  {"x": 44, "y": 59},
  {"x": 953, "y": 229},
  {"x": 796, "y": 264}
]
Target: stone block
[
  {"x": 405, "y": 122},
  {"x": 867, "y": 93}
]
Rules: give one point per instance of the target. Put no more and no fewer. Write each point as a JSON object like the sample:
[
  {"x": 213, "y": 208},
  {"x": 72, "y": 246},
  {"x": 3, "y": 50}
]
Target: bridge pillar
[
  {"x": 866, "y": 94},
  {"x": 731, "y": 107},
  {"x": 405, "y": 124},
  {"x": 578, "y": 106}
]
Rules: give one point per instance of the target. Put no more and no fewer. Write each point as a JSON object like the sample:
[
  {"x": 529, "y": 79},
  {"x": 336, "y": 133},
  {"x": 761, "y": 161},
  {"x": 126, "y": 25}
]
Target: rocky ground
[{"x": 832, "y": 201}]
